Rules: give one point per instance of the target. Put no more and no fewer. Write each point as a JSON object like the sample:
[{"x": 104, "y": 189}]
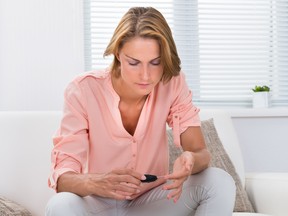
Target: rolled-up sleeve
[
  {"x": 183, "y": 113},
  {"x": 71, "y": 140}
]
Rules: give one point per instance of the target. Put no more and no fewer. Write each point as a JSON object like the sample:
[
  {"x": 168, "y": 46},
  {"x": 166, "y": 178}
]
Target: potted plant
[{"x": 261, "y": 96}]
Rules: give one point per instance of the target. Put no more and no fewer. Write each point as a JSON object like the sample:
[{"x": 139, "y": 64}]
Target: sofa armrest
[{"x": 268, "y": 192}]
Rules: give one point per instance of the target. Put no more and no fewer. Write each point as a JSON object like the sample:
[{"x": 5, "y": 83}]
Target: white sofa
[{"x": 25, "y": 139}]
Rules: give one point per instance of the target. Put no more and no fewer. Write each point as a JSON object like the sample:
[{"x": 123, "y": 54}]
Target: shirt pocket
[{"x": 176, "y": 117}]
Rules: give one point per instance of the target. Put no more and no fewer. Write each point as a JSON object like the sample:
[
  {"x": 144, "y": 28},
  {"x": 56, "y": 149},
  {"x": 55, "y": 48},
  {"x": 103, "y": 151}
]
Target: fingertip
[
  {"x": 128, "y": 197},
  {"x": 143, "y": 177}
]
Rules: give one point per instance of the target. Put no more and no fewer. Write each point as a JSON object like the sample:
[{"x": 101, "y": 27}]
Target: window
[{"x": 226, "y": 46}]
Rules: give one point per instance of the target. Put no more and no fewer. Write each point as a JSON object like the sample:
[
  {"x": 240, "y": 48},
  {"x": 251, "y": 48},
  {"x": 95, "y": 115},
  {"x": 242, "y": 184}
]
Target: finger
[
  {"x": 130, "y": 185},
  {"x": 119, "y": 196},
  {"x": 188, "y": 166},
  {"x": 174, "y": 185},
  {"x": 129, "y": 180},
  {"x": 126, "y": 189},
  {"x": 176, "y": 175},
  {"x": 127, "y": 175},
  {"x": 177, "y": 197},
  {"x": 128, "y": 172},
  {"x": 175, "y": 194},
  {"x": 116, "y": 179}
]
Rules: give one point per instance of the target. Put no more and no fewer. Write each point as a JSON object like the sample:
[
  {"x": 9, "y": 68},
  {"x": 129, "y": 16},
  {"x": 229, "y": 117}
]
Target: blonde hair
[{"x": 146, "y": 22}]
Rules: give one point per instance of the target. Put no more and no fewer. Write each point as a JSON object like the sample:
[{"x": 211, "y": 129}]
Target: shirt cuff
[{"x": 52, "y": 181}]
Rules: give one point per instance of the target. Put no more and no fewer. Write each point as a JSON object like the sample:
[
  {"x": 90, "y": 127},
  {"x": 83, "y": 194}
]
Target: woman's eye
[
  {"x": 155, "y": 62},
  {"x": 133, "y": 63}
]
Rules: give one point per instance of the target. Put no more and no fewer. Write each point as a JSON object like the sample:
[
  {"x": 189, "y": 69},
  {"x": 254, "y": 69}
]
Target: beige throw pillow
[
  {"x": 10, "y": 208},
  {"x": 220, "y": 159}
]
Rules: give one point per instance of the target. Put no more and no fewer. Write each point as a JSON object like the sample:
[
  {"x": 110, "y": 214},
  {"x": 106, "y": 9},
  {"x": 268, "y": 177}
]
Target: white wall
[{"x": 41, "y": 49}]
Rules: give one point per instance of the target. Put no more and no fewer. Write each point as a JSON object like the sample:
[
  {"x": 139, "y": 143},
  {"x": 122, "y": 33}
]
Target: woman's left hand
[{"x": 181, "y": 170}]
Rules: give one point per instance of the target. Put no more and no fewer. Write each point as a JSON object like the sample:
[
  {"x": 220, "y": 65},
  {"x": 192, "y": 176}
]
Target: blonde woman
[{"x": 113, "y": 132}]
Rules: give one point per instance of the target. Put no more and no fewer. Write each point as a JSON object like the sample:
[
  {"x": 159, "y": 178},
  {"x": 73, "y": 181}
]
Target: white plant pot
[{"x": 261, "y": 99}]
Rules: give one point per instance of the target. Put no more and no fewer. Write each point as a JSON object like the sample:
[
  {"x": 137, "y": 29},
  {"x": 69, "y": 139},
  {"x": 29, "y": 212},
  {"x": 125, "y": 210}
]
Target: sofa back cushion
[{"x": 228, "y": 137}]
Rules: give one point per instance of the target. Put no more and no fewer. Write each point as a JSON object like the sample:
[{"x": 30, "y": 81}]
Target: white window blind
[
  {"x": 242, "y": 43},
  {"x": 226, "y": 46}
]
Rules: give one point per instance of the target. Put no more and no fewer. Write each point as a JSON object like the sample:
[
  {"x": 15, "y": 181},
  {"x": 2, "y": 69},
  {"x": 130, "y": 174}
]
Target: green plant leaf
[{"x": 261, "y": 88}]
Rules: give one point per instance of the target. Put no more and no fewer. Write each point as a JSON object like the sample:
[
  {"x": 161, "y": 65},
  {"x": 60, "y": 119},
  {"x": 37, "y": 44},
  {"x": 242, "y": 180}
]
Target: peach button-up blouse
[{"x": 91, "y": 137}]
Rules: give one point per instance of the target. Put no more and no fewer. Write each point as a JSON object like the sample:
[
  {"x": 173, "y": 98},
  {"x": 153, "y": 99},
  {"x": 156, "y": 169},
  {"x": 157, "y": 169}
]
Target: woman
[{"x": 113, "y": 132}]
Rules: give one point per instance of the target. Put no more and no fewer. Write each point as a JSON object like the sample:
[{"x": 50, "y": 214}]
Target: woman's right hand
[{"x": 118, "y": 184}]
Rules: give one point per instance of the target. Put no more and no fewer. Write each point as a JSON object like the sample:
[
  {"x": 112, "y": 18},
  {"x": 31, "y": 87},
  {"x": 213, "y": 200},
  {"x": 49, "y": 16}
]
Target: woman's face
[{"x": 140, "y": 64}]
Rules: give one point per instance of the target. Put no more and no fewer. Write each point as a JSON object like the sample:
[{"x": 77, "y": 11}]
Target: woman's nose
[{"x": 145, "y": 73}]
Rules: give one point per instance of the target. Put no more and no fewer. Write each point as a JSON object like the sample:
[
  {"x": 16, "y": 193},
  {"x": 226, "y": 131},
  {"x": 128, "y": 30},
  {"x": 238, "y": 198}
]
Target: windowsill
[
  {"x": 257, "y": 112},
  {"x": 236, "y": 112}
]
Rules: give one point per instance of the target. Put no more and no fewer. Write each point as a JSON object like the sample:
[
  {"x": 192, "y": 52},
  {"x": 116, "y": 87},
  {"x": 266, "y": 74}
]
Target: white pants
[{"x": 209, "y": 193}]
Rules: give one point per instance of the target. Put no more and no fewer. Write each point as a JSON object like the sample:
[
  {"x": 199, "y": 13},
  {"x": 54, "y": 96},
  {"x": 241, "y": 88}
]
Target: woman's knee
[
  {"x": 215, "y": 190},
  {"x": 222, "y": 179},
  {"x": 216, "y": 181},
  {"x": 64, "y": 203},
  {"x": 220, "y": 182}
]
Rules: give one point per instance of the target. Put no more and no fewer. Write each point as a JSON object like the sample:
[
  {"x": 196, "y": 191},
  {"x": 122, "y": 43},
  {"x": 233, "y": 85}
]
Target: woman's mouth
[{"x": 143, "y": 85}]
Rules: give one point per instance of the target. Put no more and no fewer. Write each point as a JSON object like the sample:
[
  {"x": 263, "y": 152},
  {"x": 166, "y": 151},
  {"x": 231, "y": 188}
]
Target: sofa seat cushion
[
  {"x": 249, "y": 214},
  {"x": 10, "y": 208}
]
